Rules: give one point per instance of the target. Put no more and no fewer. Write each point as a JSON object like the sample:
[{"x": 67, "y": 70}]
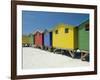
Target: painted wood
[
  {"x": 31, "y": 39},
  {"x": 38, "y": 39},
  {"x": 48, "y": 39},
  {"x": 62, "y": 39},
  {"x": 83, "y": 40},
  {"x": 25, "y": 39}
]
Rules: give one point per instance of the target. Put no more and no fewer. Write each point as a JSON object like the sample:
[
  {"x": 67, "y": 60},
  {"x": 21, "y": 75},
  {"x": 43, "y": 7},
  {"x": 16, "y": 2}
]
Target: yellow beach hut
[{"x": 65, "y": 37}]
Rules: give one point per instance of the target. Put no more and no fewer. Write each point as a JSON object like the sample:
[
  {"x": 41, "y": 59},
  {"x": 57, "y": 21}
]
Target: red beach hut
[{"x": 38, "y": 39}]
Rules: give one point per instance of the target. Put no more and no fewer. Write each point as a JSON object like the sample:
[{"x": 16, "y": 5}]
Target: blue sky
[{"x": 39, "y": 20}]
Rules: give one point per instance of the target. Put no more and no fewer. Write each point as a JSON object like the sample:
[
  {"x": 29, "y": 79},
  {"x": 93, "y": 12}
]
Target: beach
[{"x": 33, "y": 58}]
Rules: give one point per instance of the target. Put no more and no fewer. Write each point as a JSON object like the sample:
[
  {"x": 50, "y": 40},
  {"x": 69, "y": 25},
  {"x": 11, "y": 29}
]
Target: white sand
[{"x": 37, "y": 58}]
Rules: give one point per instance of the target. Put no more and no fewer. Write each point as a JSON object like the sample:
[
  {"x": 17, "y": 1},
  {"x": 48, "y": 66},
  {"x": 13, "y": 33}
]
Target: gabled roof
[
  {"x": 46, "y": 31},
  {"x": 84, "y": 22},
  {"x": 37, "y": 31}
]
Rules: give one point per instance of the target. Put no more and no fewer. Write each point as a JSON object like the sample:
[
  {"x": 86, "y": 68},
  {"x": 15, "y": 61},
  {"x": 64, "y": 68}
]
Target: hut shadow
[
  {"x": 66, "y": 53},
  {"x": 76, "y": 56}
]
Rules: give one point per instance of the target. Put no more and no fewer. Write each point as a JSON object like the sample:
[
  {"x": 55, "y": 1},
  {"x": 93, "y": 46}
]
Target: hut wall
[
  {"x": 75, "y": 33},
  {"x": 83, "y": 37},
  {"x": 62, "y": 39},
  {"x": 48, "y": 39},
  {"x": 38, "y": 37},
  {"x": 25, "y": 40},
  {"x": 31, "y": 39}
]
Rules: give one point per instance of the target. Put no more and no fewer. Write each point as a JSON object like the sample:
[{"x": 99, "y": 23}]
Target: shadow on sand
[{"x": 76, "y": 56}]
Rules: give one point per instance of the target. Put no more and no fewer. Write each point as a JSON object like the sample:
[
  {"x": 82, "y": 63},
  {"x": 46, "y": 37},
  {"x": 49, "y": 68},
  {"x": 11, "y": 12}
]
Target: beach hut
[
  {"x": 65, "y": 38},
  {"x": 83, "y": 36},
  {"x": 48, "y": 40},
  {"x": 25, "y": 41},
  {"x": 38, "y": 39},
  {"x": 83, "y": 39},
  {"x": 31, "y": 39}
]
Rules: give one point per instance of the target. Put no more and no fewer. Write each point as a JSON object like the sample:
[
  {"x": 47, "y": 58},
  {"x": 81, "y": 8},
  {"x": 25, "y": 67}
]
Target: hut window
[
  {"x": 56, "y": 31},
  {"x": 66, "y": 30},
  {"x": 87, "y": 27}
]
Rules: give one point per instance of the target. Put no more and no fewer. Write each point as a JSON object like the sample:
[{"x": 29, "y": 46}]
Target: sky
[{"x": 40, "y": 20}]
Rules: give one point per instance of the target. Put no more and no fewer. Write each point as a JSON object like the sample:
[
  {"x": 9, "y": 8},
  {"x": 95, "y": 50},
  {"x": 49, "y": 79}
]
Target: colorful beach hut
[
  {"x": 38, "y": 39},
  {"x": 83, "y": 39},
  {"x": 25, "y": 41},
  {"x": 65, "y": 37},
  {"x": 47, "y": 40},
  {"x": 83, "y": 36},
  {"x": 31, "y": 39}
]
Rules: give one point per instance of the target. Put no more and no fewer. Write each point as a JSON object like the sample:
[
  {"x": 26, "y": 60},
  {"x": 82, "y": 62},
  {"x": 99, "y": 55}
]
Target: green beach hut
[
  {"x": 83, "y": 36},
  {"x": 31, "y": 39}
]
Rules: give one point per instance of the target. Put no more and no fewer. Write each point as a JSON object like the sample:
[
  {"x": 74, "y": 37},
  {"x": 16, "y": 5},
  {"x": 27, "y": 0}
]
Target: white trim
[{"x": 52, "y": 9}]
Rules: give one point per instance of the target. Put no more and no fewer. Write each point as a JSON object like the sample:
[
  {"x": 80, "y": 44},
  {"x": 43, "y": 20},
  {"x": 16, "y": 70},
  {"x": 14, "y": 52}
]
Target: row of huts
[{"x": 63, "y": 36}]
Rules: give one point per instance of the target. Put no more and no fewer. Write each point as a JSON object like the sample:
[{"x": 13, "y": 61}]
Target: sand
[{"x": 37, "y": 58}]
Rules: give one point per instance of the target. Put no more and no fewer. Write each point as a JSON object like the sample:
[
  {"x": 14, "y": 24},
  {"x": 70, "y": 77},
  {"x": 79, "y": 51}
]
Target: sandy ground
[{"x": 37, "y": 58}]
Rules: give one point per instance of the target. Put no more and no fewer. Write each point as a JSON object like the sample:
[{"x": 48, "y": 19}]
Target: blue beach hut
[{"x": 47, "y": 40}]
